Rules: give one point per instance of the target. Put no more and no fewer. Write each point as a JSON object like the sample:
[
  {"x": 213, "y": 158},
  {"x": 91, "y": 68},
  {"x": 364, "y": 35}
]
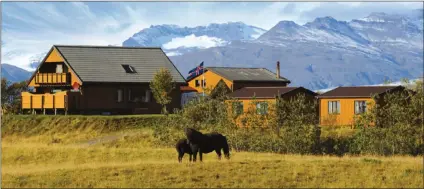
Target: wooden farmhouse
[
  {"x": 260, "y": 99},
  {"x": 99, "y": 79},
  {"x": 340, "y": 105},
  {"x": 236, "y": 78}
]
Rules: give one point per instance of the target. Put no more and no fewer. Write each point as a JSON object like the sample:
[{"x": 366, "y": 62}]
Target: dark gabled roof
[
  {"x": 247, "y": 74},
  {"x": 359, "y": 91},
  {"x": 266, "y": 92},
  {"x": 104, "y": 63}
]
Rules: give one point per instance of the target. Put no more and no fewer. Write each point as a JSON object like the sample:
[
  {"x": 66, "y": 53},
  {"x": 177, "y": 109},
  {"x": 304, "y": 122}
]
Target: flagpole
[{"x": 203, "y": 74}]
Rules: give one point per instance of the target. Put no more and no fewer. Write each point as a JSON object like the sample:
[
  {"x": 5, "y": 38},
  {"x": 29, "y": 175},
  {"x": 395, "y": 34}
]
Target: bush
[{"x": 396, "y": 140}]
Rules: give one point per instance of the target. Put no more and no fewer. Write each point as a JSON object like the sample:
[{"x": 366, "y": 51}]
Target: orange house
[
  {"x": 340, "y": 105},
  {"x": 262, "y": 100},
  {"x": 236, "y": 78}
]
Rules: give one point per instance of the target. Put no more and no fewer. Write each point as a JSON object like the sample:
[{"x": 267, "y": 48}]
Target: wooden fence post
[
  {"x": 54, "y": 104},
  {"x": 30, "y": 103},
  {"x": 66, "y": 104},
  {"x": 42, "y": 104}
]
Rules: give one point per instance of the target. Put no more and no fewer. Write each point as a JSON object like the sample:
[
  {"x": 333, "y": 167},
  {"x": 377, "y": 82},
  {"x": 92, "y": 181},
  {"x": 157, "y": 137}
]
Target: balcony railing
[
  {"x": 44, "y": 101},
  {"x": 52, "y": 78}
]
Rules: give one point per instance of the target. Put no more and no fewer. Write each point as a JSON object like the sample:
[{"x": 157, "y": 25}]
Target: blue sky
[{"x": 29, "y": 29}]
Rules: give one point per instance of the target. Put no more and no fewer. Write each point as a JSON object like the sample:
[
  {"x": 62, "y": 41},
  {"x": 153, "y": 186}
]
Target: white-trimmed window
[
  {"x": 262, "y": 108},
  {"x": 238, "y": 108},
  {"x": 334, "y": 107},
  {"x": 360, "y": 106},
  {"x": 59, "y": 68}
]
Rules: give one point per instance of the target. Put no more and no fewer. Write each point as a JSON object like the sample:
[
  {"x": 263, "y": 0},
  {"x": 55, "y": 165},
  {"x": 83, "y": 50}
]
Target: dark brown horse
[
  {"x": 183, "y": 147},
  {"x": 206, "y": 143}
]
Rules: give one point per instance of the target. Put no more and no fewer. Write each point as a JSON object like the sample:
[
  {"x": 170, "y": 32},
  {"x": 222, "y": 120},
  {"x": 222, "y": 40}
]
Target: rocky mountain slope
[{"x": 326, "y": 52}]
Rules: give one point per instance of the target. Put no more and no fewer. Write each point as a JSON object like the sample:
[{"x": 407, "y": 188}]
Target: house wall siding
[
  {"x": 212, "y": 80},
  {"x": 250, "y": 104},
  {"x": 103, "y": 97},
  {"x": 347, "y": 111}
]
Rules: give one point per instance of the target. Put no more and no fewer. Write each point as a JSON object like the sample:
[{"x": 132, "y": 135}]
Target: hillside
[{"x": 13, "y": 73}]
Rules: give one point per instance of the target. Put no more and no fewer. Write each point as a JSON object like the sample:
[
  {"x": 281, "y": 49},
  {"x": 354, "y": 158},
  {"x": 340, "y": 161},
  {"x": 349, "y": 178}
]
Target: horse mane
[{"x": 193, "y": 135}]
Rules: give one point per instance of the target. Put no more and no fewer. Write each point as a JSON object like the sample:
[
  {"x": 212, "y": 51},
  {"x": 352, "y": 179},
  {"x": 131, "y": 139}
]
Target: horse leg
[
  {"x": 201, "y": 156},
  {"x": 180, "y": 157},
  {"x": 191, "y": 155},
  {"x": 194, "y": 155},
  {"x": 218, "y": 152}
]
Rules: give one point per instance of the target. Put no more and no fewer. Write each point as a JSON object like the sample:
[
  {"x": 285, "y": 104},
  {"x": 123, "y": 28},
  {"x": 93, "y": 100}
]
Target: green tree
[
  {"x": 10, "y": 95},
  {"x": 296, "y": 111},
  {"x": 162, "y": 86}
]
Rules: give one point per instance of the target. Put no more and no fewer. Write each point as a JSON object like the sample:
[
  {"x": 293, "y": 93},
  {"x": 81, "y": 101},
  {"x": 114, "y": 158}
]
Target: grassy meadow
[{"x": 63, "y": 153}]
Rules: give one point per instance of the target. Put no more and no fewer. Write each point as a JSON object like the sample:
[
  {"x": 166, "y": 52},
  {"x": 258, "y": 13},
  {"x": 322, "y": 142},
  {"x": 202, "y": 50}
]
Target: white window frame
[
  {"x": 59, "y": 68},
  {"x": 260, "y": 109},
  {"x": 334, "y": 107},
  {"x": 238, "y": 108},
  {"x": 360, "y": 106}
]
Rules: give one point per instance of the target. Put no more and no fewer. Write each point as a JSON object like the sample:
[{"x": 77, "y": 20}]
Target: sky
[{"x": 29, "y": 29}]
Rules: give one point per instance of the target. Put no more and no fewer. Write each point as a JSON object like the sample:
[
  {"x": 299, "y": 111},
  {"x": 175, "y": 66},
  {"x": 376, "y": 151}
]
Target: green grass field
[{"x": 85, "y": 158}]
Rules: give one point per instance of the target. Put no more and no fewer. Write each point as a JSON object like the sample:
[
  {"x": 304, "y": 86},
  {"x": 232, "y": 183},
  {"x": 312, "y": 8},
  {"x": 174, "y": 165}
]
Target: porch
[{"x": 43, "y": 102}]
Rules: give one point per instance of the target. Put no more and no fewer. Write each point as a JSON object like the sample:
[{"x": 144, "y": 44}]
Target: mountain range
[
  {"x": 322, "y": 53},
  {"x": 13, "y": 73}
]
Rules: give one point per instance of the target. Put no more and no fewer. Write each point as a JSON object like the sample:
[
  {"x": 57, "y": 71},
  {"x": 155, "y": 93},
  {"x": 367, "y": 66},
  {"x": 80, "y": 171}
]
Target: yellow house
[
  {"x": 236, "y": 78},
  {"x": 261, "y": 101},
  {"x": 340, "y": 105}
]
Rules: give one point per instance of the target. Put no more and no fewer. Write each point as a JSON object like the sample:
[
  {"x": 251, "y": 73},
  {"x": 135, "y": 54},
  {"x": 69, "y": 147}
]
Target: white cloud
[{"x": 194, "y": 41}]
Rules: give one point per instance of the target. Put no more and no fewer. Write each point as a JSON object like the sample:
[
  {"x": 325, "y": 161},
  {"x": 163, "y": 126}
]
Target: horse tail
[{"x": 226, "y": 148}]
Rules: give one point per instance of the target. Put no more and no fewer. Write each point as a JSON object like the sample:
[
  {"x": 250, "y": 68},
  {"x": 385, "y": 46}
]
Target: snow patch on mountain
[
  {"x": 200, "y": 42},
  {"x": 173, "y": 53},
  {"x": 257, "y": 33},
  {"x": 158, "y": 35}
]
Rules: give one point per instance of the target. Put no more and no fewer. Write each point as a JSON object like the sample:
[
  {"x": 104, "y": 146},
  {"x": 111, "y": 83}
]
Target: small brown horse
[{"x": 183, "y": 147}]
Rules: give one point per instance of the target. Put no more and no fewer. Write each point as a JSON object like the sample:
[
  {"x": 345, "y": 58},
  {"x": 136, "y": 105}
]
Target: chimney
[{"x": 278, "y": 69}]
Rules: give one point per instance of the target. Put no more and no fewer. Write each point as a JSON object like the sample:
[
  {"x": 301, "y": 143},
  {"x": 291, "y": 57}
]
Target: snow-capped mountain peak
[{"x": 158, "y": 35}]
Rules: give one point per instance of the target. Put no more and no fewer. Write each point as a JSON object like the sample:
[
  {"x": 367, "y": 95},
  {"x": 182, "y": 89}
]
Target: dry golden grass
[{"x": 69, "y": 162}]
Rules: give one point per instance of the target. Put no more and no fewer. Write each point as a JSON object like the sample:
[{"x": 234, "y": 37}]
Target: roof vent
[{"x": 128, "y": 68}]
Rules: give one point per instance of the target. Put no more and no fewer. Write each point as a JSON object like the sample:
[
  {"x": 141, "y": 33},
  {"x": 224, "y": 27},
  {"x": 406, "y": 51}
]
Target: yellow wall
[
  {"x": 212, "y": 80},
  {"x": 347, "y": 111},
  {"x": 249, "y": 110},
  {"x": 54, "y": 56}
]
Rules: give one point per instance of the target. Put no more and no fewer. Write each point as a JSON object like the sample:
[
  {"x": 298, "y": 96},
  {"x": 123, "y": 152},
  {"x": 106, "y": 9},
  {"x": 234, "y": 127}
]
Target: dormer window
[{"x": 128, "y": 68}]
